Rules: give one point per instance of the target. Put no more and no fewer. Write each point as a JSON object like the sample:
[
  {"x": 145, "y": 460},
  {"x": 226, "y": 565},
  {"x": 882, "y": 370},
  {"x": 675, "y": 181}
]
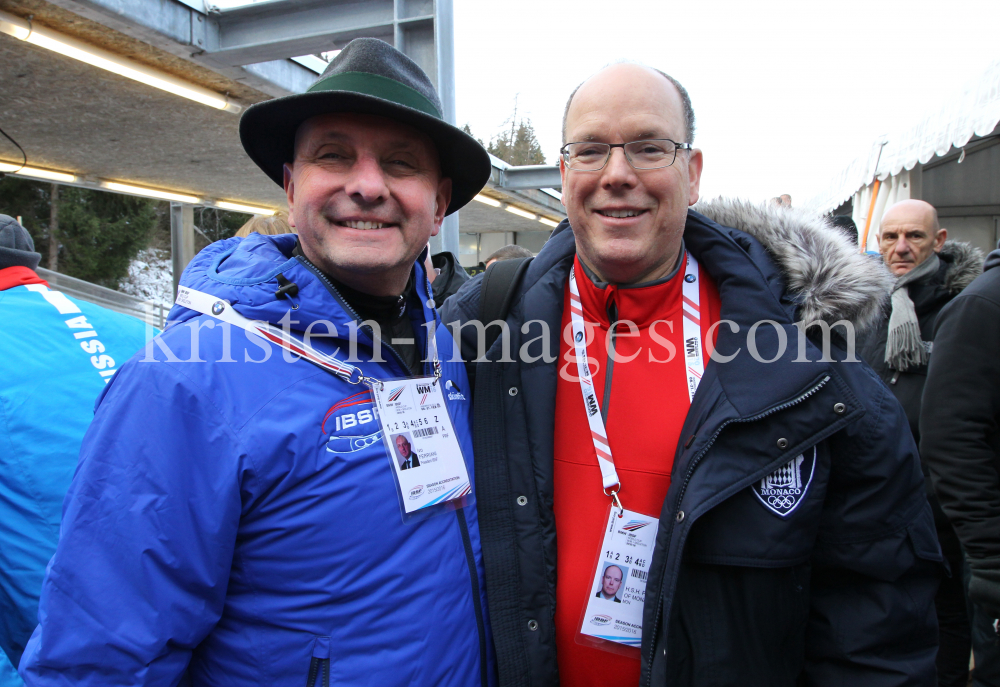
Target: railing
[{"x": 147, "y": 311}]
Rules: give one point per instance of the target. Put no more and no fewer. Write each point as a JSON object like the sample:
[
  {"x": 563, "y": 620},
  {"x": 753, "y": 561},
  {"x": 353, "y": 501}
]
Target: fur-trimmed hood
[
  {"x": 965, "y": 263},
  {"x": 831, "y": 280}
]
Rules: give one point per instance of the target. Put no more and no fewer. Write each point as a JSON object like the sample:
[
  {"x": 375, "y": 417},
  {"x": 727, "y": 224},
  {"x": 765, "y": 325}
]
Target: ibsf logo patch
[
  {"x": 784, "y": 489},
  {"x": 601, "y": 619},
  {"x": 417, "y": 491}
]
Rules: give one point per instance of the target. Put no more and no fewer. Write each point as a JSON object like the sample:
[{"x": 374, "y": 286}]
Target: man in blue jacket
[
  {"x": 236, "y": 514},
  {"x": 793, "y": 541},
  {"x": 58, "y": 353}
]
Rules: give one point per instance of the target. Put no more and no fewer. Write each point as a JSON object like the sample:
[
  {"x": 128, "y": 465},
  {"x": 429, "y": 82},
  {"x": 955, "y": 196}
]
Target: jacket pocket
[{"x": 319, "y": 665}]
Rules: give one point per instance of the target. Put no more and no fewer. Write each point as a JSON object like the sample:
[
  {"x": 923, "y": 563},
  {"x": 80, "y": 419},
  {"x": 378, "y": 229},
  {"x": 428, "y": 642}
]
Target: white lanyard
[
  {"x": 690, "y": 305},
  {"x": 693, "y": 362},
  {"x": 208, "y": 304}
]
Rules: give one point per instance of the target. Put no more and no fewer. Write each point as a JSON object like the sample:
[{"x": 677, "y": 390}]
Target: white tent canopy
[{"x": 975, "y": 112}]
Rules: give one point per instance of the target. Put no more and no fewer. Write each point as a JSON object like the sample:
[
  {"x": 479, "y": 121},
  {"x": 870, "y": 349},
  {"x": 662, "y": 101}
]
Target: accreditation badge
[
  {"x": 616, "y": 596},
  {"x": 424, "y": 452}
]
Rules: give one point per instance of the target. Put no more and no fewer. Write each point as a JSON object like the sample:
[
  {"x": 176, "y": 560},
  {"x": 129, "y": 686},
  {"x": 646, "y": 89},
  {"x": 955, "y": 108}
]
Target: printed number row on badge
[
  {"x": 410, "y": 424},
  {"x": 641, "y": 562}
]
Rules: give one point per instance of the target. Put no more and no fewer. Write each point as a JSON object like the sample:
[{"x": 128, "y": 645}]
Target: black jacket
[
  {"x": 960, "y": 423},
  {"x": 960, "y": 264},
  {"x": 837, "y": 593},
  {"x": 450, "y": 279}
]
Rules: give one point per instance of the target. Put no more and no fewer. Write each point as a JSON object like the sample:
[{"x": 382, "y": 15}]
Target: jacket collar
[
  {"x": 18, "y": 276},
  {"x": 778, "y": 266},
  {"x": 245, "y": 273}
]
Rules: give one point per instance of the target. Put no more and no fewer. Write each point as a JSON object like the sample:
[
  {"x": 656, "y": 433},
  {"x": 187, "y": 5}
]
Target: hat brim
[{"x": 267, "y": 131}]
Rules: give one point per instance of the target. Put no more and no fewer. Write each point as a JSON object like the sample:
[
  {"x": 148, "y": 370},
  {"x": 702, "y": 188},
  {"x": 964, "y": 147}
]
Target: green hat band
[{"x": 377, "y": 86}]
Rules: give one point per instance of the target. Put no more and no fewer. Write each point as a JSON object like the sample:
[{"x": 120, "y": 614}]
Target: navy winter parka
[
  {"x": 837, "y": 591},
  {"x": 234, "y": 515}
]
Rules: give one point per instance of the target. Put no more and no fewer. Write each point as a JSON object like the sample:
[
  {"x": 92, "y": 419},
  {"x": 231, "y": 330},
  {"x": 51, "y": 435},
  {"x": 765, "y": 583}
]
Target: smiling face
[
  {"x": 628, "y": 223},
  {"x": 365, "y": 194},
  {"x": 909, "y": 234},
  {"x": 612, "y": 580},
  {"x": 403, "y": 446}
]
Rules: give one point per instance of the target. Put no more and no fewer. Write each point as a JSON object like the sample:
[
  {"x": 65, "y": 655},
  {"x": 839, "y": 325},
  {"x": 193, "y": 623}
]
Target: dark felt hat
[
  {"x": 369, "y": 76},
  {"x": 16, "y": 247}
]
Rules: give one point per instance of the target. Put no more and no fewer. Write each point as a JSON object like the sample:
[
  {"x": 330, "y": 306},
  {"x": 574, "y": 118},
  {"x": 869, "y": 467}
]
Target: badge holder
[
  {"x": 615, "y": 624},
  {"x": 425, "y": 456}
]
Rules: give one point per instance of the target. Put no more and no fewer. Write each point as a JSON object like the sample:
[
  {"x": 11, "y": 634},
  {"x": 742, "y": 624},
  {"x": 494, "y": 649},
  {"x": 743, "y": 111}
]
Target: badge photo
[
  {"x": 610, "y": 584},
  {"x": 406, "y": 457}
]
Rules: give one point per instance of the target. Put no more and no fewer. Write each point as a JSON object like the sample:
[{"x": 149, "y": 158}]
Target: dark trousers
[{"x": 955, "y": 632}]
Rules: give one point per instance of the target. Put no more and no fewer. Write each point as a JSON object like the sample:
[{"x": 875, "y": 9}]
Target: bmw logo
[
  {"x": 218, "y": 307},
  {"x": 689, "y": 278},
  {"x": 579, "y": 336}
]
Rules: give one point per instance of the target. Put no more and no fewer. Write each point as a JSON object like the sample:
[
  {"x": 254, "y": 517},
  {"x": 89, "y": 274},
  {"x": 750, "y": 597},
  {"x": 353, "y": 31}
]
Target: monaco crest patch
[{"x": 784, "y": 489}]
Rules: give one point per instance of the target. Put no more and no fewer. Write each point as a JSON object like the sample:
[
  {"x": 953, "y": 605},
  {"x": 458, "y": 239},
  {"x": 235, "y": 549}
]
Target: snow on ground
[{"x": 150, "y": 277}]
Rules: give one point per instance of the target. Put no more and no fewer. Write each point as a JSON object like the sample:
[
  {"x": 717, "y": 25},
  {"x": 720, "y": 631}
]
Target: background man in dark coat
[
  {"x": 930, "y": 271},
  {"x": 445, "y": 274},
  {"x": 960, "y": 444}
]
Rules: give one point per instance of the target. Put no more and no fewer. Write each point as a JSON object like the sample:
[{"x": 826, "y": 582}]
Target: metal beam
[
  {"x": 531, "y": 176},
  {"x": 443, "y": 37},
  {"x": 174, "y": 27},
  {"x": 277, "y": 30},
  {"x": 181, "y": 238}
]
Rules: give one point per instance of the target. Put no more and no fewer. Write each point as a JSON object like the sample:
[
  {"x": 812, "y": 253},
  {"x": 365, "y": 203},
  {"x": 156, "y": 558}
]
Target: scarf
[{"x": 904, "y": 348}]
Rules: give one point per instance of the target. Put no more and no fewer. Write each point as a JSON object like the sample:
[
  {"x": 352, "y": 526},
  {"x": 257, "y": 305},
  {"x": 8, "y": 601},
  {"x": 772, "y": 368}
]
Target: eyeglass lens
[{"x": 651, "y": 154}]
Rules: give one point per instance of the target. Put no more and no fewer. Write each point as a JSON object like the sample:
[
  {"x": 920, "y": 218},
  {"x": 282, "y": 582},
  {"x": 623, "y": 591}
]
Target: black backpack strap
[{"x": 499, "y": 284}]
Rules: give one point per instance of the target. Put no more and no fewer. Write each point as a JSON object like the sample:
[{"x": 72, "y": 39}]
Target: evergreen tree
[
  {"x": 99, "y": 232},
  {"x": 467, "y": 129},
  {"x": 519, "y": 146}
]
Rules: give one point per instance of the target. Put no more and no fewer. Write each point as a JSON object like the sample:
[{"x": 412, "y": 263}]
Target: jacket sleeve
[
  {"x": 460, "y": 309},
  {"x": 876, "y": 563},
  {"x": 960, "y": 410},
  {"x": 146, "y": 545},
  {"x": 960, "y": 439}
]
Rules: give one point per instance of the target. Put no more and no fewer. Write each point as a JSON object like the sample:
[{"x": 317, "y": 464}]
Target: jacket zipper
[
  {"x": 460, "y": 512},
  {"x": 318, "y": 667},
  {"x": 340, "y": 299},
  {"x": 477, "y": 598},
  {"x": 687, "y": 479}
]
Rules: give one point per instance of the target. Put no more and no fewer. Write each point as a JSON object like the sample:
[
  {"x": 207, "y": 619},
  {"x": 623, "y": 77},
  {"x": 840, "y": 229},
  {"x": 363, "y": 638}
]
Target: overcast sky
[{"x": 786, "y": 93}]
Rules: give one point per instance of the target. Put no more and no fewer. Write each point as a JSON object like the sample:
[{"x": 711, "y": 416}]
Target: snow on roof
[{"x": 976, "y": 111}]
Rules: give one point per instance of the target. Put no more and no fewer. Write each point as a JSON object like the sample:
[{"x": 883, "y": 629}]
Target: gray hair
[{"x": 685, "y": 100}]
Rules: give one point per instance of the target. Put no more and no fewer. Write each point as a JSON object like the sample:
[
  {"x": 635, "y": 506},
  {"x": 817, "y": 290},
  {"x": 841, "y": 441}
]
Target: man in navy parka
[{"x": 234, "y": 519}]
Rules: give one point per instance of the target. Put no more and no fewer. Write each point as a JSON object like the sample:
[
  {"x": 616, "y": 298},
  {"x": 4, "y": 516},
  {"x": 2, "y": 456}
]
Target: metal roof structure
[{"x": 99, "y": 127}]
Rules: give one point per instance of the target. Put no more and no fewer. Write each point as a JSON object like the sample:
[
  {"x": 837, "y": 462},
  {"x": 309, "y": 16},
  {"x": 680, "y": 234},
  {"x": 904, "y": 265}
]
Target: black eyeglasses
[{"x": 654, "y": 153}]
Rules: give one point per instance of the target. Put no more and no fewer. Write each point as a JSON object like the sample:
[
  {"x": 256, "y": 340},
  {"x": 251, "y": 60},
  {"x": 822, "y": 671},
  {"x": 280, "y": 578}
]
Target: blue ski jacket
[
  {"x": 234, "y": 514},
  {"x": 58, "y": 353}
]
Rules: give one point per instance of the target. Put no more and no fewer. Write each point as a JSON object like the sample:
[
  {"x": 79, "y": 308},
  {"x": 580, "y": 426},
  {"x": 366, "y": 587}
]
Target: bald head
[
  {"x": 909, "y": 233},
  {"x": 631, "y": 68},
  {"x": 628, "y": 222}
]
